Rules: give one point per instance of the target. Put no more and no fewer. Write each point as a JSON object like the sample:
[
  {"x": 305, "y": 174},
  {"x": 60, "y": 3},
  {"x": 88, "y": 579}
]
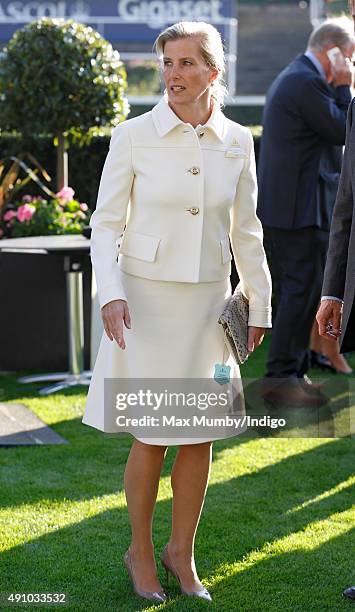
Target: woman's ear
[{"x": 214, "y": 75}]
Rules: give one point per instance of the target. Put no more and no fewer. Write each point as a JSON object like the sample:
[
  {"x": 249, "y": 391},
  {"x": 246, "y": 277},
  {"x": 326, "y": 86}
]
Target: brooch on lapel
[{"x": 235, "y": 150}]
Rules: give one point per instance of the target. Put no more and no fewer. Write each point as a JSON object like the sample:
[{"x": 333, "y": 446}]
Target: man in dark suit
[
  {"x": 336, "y": 314},
  {"x": 305, "y": 113}
]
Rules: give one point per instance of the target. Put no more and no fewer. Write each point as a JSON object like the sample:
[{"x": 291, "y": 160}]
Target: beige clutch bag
[{"x": 234, "y": 320}]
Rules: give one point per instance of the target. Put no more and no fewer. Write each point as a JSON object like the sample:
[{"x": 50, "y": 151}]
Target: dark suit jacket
[
  {"x": 327, "y": 186},
  {"x": 302, "y": 115},
  {"x": 339, "y": 276}
]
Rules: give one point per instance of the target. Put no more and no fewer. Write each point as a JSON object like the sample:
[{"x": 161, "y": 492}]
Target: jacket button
[
  {"x": 194, "y": 210},
  {"x": 194, "y": 170}
]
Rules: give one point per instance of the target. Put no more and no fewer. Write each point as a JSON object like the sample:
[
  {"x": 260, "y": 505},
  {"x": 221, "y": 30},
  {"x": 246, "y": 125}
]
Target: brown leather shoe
[
  {"x": 290, "y": 392},
  {"x": 309, "y": 385}
]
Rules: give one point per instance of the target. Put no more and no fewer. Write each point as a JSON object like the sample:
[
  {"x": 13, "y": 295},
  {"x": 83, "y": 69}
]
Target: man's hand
[
  {"x": 329, "y": 319},
  {"x": 342, "y": 71},
  {"x": 113, "y": 315},
  {"x": 255, "y": 337}
]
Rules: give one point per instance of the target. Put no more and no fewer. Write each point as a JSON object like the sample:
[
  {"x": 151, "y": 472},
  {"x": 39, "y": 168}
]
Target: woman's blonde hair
[{"x": 211, "y": 48}]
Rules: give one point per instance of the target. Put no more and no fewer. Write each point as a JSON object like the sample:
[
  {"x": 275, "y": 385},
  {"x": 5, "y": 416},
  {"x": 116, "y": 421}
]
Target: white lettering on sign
[
  {"x": 168, "y": 11},
  {"x": 151, "y": 12},
  {"x": 26, "y": 11}
]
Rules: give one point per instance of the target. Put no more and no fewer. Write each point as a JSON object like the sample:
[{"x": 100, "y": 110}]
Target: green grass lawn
[{"x": 277, "y": 532}]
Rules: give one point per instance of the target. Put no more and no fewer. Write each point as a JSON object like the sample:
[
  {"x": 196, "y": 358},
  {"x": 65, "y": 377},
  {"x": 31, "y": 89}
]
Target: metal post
[
  {"x": 317, "y": 13},
  {"x": 75, "y": 325},
  {"x": 62, "y": 163},
  {"x": 75, "y": 320},
  {"x": 232, "y": 57}
]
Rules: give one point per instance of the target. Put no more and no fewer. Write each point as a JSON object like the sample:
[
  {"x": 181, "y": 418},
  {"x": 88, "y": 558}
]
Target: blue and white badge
[{"x": 222, "y": 373}]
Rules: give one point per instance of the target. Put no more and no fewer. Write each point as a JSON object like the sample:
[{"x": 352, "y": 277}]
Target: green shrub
[
  {"x": 60, "y": 76},
  {"x": 143, "y": 79}
]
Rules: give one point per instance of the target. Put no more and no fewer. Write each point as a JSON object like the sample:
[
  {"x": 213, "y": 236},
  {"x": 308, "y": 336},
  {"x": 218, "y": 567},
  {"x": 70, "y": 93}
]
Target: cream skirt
[{"x": 174, "y": 334}]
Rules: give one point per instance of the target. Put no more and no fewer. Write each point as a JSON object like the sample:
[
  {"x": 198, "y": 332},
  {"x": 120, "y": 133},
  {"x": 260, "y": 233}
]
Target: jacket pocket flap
[
  {"x": 139, "y": 246},
  {"x": 226, "y": 254}
]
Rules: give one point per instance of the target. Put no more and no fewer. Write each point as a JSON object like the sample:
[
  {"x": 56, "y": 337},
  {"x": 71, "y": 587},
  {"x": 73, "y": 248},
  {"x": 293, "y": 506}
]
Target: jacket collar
[
  {"x": 315, "y": 61},
  {"x": 307, "y": 62},
  {"x": 165, "y": 119}
]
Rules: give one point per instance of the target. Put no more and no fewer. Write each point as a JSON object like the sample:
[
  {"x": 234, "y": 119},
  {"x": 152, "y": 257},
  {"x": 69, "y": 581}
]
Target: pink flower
[
  {"x": 84, "y": 206},
  {"x": 9, "y": 215},
  {"x": 25, "y": 212},
  {"x": 66, "y": 194}
]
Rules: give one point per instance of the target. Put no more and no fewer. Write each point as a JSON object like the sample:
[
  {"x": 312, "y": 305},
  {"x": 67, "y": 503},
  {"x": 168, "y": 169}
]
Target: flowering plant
[{"x": 36, "y": 216}]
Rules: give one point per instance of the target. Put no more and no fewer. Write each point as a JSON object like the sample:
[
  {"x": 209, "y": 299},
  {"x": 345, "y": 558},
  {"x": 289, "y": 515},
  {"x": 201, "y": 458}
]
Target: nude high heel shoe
[
  {"x": 169, "y": 567},
  {"x": 158, "y": 596}
]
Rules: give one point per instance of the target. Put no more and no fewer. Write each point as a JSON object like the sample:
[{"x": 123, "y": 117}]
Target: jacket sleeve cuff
[
  {"x": 260, "y": 318},
  {"x": 331, "y": 297},
  {"x": 110, "y": 293}
]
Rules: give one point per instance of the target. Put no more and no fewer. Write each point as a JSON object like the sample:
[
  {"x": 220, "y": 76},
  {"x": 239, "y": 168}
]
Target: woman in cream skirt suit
[{"x": 178, "y": 186}]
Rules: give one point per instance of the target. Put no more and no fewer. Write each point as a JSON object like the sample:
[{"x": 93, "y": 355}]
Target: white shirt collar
[{"x": 165, "y": 119}]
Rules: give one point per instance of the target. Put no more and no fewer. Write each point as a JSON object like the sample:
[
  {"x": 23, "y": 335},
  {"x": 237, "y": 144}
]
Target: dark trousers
[{"x": 297, "y": 260}]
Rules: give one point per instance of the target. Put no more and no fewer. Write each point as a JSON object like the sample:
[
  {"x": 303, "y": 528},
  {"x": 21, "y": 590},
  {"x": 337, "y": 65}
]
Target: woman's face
[{"x": 186, "y": 75}]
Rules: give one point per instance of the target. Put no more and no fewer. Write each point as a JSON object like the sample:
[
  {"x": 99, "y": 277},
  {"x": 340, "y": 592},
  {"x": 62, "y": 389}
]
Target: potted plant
[{"x": 38, "y": 216}]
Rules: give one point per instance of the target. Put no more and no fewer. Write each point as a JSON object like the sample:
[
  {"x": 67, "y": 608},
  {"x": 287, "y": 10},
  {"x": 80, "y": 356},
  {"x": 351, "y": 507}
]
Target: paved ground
[{"x": 19, "y": 426}]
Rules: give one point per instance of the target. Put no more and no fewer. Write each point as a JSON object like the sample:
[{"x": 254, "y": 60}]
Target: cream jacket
[{"x": 173, "y": 198}]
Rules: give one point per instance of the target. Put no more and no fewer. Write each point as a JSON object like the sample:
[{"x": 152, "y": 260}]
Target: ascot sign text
[
  {"x": 169, "y": 10},
  {"x": 127, "y": 10}
]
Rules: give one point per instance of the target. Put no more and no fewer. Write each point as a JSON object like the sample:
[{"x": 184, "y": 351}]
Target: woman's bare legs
[
  {"x": 189, "y": 479},
  {"x": 316, "y": 340},
  {"x": 330, "y": 349},
  {"x": 141, "y": 480}
]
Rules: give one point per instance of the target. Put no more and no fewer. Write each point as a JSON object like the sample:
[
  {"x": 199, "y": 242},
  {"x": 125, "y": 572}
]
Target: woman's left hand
[{"x": 255, "y": 337}]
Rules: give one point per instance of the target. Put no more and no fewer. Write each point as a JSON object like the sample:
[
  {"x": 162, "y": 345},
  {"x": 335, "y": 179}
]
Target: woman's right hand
[{"x": 113, "y": 315}]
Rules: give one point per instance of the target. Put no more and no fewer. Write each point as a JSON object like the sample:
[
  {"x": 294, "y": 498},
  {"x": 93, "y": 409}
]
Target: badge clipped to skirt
[{"x": 222, "y": 370}]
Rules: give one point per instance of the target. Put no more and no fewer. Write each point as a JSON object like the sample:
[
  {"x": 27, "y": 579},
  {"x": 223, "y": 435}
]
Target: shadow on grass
[
  {"x": 241, "y": 515},
  {"x": 333, "y": 420},
  {"x": 11, "y": 389},
  {"x": 300, "y": 580},
  {"x": 91, "y": 464}
]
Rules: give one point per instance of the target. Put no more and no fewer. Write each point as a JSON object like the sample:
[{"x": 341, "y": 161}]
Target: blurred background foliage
[{"x": 143, "y": 78}]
